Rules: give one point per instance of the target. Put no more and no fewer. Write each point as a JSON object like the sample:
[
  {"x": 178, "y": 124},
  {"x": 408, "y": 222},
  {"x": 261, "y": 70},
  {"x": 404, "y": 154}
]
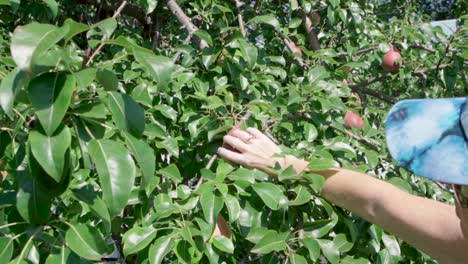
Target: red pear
[
  {"x": 353, "y": 120},
  {"x": 392, "y": 60}
]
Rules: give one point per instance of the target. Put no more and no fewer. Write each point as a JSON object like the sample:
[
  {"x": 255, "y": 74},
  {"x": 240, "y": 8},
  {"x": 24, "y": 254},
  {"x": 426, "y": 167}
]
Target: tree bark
[
  {"x": 185, "y": 21},
  {"x": 314, "y": 43}
]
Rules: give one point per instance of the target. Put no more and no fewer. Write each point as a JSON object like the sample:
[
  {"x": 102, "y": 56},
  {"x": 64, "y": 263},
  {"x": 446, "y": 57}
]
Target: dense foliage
[{"x": 111, "y": 112}]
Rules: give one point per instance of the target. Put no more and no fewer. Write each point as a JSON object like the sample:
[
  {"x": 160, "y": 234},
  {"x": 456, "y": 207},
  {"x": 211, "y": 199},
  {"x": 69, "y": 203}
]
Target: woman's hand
[{"x": 255, "y": 150}]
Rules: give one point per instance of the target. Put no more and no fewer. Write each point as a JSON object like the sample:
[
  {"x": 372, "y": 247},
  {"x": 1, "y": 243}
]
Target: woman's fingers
[
  {"x": 235, "y": 143},
  {"x": 244, "y": 136},
  {"x": 231, "y": 155},
  {"x": 256, "y": 133}
]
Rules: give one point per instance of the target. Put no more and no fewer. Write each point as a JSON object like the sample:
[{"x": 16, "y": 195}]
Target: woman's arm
[{"x": 430, "y": 226}]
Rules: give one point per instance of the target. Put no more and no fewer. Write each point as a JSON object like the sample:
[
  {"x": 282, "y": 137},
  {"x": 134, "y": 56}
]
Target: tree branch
[
  {"x": 185, "y": 21},
  {"x": 314, "y": 43},
  {"x": 129, "y": 10},
  {"x": 292, "y": 49},
  {"x": 447, "y": 48},
  {"x": 359, "y": 52},
  {"x": 374, "y": 93},
  {"x": 116, "y": 14},
  {"x": 239, "y": 17}
]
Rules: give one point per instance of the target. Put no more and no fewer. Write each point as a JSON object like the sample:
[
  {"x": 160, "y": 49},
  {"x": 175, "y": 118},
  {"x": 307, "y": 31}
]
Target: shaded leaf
[
  {"x": 116, "y": 171},
  {"x": 50, "y": 95},
  {"x": 108, "y": 79},
  {"x": 9, "y": 88},
  {"x": 126, "y": 113},
  {"x": 144, "y": 156},
  {"x": 85, "y": 241},
  {"x": 49, "y": 151}
]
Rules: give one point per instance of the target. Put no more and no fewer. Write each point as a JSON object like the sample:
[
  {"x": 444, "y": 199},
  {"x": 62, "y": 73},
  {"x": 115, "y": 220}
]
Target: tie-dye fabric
[{"x": 427, "y": 137}]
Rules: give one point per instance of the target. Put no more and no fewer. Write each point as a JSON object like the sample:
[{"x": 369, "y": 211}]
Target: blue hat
[{"x": 429, "y": 138}]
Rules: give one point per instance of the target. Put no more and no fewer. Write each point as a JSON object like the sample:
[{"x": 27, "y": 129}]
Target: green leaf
[
  {"x": 249, "y": 52},
  {"x": 302, "y": 196},
  {"x": 202, "y": 34},
  {"x": 330, "y": 250},
  {"x": 30, "y": 42},
  {"x": 316, "y": 164},
  {"x": 317, "y": 74},
  {"x": 137, "y": 239},
  {"x": 53, "y": 7},
  {"x": 86, "y": 241},
  {"x": 144, "y": 155},
  {"x": 6, "y": 249},
  {"x": 170, "y": 144},
  {"x": 297, "y": 259},
  {"x": 107, "y": 26},
  {"x": 211, "y": 203},
  {"x": 223, "y": 243},
  {"x": 167, "y": 111},
  {"x": 391, "y": 244},
  {"x": 65, "y": 256},
  {"x": 85, "y": 77},
  {"x": 342, "y": 243},
  {"x": 159, "y": 249},
  {"x": 233, "y": 206},
  {"x": 270, "y": 20},
  {"x": 32, "y": 200},
  {"x": 401, "y": 184},
  {"x": 50, "y": 95},
  {"x": 74, "y": 28},
  {"x": 9, "y": 88},
  {"x": 171, "y": 172},
  {"x": 158, "y": 67},
  {"x": 313, "y": 248},
  {"x": 270, "y": 194},
  {"x": 334, "y": 3},
  {"x": 108, "y": 79},
  {"x": 127, "y": 114},
  {"x": 164, "y": 206},
  {"x": 272, "y": 241},
  {"x": 49, "y": 151},
  {"x": 148, "y": 5},
  {"x": 97, "y": 206},
  {"x": 116, "y": 171}
]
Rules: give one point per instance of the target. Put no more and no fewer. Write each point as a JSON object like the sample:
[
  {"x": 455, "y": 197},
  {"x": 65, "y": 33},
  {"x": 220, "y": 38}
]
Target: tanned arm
[{"x": 431, "y": 226}]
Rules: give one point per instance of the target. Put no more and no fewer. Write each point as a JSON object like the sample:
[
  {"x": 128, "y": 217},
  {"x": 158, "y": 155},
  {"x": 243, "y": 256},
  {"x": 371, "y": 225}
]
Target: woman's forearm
[{"x": 430, "y": 226}]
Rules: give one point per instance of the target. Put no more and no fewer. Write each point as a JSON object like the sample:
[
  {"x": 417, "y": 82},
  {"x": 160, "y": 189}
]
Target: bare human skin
[{"x": 440, "y": 230}]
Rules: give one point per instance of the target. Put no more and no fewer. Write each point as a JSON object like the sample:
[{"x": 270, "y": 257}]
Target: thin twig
[
  {"x": 185, "y": 21},
  {"x": 116, "y": 14},
  {"x": 239, "y": 17},
  {"x": 374, "y": 93},
  {"x": 447, "y": 48},
  {"x": 359, "y": 139},
  {"x": 359, "y": 52},
  {"x": 422, "y": 48},
  {"x": 292, "y": 49}
]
